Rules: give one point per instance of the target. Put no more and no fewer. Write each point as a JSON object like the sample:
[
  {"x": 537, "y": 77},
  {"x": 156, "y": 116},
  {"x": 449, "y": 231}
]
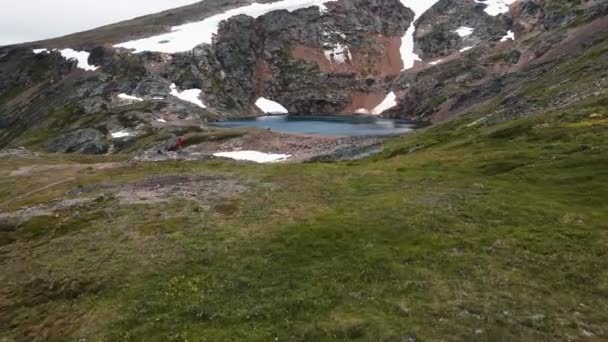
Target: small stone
[
  {"x": 538, "y": 317},
  {"x": 541, "y": 126},
  {"x": 587, "y": 333}
]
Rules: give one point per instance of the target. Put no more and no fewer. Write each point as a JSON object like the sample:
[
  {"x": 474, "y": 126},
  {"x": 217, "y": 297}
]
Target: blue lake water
[{"x": 329, "y": 125}]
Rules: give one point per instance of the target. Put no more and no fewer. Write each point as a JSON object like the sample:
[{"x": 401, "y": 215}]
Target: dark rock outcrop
[
  {"x": 85, "y": 141},
  {"x": 436, "y": 35}
]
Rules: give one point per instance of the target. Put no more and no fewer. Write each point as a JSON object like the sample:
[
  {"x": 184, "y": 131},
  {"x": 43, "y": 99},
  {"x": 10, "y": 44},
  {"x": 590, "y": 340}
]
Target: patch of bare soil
[
  {"x": 391, "y": 64},
  {"x": 204, "y": 189},
  {"x": 381, "y": 59},
  {"x": 27, "y": 213}
]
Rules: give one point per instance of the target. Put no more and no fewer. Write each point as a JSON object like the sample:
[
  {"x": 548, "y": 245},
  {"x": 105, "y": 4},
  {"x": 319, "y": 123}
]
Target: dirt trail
[
  {"x": 26, "y": 170},
  {"x": 68, "y": 170},
  {"x": 36, "y": 191}
]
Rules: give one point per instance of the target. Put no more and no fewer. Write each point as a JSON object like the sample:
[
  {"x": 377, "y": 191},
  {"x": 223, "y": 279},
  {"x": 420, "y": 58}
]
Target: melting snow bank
[
  {"x": 496, "y": 7},
  {"x": 81, "y": 56},
  {"x": 186, "y": 37},
  {"x": 509, "y": 35},
  {"x": 407, "y": 43},
  {"x": 270, "y": 107},
  {"x": 255, "y": 156},
  {"x": 467, "y": 48},
  {"x": 129, "y": 97},
  {"x": 337, "y": 53},
  {"x": 121, "y": 134},
  {"x": 389, "y": 102},
  {"x": 464, "y": 31},
  {"x": 189, "y": 95}
]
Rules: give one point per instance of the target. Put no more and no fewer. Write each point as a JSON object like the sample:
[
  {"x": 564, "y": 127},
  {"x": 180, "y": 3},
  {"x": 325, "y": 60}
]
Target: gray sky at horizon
[{"x": 31, "y": 20}]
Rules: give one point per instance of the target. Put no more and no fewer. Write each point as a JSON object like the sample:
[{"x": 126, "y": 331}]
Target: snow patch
[
  {"x": 509, "y": 35},
  {"x": 407, "y": 43},
  {"x": 270, "y": 107},
  {"x": 124, "y": 96},
  {"x": 186, "y": 37},
  {"x": 466, "y": 48},
  {"x": 81, "y": 56},
  {"x": 121, "y": 134},
  {"x": 337, "y": 53},
  {"x": 327, "y": 34},
  {"x": 255, "y": 156},
  {"x": 436, "y": 62},
  {"x": 189, "y": 95},
  {"x": 389, "y": 102},
  {"x": 161, "y": 120},
  {"x": 464, "y": 31},
  {"x": 496, "y": 7}
]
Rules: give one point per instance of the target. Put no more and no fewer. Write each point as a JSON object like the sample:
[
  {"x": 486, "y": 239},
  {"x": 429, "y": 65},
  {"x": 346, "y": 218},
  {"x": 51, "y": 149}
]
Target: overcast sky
[{"x": 31, "y": 20}]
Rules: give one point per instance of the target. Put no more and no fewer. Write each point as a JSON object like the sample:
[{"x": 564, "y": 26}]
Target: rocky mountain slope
[{"x": 135, "y": 85}]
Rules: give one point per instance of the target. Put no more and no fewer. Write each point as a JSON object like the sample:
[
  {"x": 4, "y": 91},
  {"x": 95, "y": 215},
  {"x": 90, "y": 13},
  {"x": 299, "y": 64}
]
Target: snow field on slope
[
  {"x": 509, "y": 35},
  {"x": 464, "y": 31},
  {"x": 82, "y": 57},
  {"x": 270, "y": 107},
  {"x": 496, "y": 7},
  {"x": 127, "y": 97},
  {"x": 389, "y": 102},
  {"x": 186, "y": 37},
  {"x": 255, "y": 156},
  {"x": 407, "y": 42},
  {"x": 188, "y": 95}
]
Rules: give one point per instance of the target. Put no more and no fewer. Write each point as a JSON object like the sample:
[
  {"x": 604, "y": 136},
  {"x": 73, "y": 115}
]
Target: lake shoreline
[{"x": 300, "y": 147}]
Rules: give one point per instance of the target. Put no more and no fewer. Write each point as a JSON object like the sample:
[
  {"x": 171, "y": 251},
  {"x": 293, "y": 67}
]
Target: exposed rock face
[
  {"x": 528, "y": 14},
  {"x": 86, "y": 141},
  {"x": 310, "y": 62},
  {"x": 436, "y": 30},
  {"x": 565, "y": 13}
]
